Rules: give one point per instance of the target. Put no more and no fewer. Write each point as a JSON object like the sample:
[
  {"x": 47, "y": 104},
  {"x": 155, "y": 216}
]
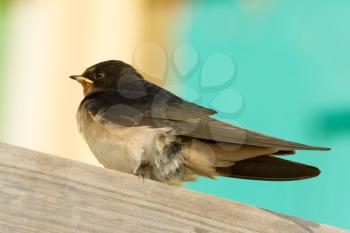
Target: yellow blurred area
[{"x": 49, "y": 40}]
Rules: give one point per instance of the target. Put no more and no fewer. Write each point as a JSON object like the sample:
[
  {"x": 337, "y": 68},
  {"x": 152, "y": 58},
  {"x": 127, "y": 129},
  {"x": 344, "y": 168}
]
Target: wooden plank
[{"x": 46, "y": 193}]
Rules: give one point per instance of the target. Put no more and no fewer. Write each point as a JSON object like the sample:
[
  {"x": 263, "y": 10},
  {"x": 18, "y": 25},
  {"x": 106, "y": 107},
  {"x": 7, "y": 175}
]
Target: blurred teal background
[
  {"x": 276, "y": 66},
  {"x": 292, "y": 61}
]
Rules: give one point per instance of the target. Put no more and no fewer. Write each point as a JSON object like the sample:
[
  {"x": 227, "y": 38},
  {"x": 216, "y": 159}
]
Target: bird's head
[{"x": 106, "y": 75}]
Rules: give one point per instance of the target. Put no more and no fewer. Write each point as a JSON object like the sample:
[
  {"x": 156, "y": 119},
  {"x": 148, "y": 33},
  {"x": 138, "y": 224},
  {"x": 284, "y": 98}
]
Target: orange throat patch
[{"x": 87, "y": 87}]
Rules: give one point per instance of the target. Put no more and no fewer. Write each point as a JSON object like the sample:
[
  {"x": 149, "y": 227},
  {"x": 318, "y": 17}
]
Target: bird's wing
[
  {"x": 141, "y": 99},
  {"x": 212, "y": 129},
  {"x": 141, "y": 103}
]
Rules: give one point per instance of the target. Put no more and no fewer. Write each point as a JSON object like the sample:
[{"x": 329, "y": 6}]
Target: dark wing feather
[
  {"x": 146, "y": 99},
  {"x": 212, "y": 129},
  {"x": 143, "y": 103}
]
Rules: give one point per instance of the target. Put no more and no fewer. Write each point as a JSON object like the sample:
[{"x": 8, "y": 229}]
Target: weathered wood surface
[{"x": 45, "y": 193}]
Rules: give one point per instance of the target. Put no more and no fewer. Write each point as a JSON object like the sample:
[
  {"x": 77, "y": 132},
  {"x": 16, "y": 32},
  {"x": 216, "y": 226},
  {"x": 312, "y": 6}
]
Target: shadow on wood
[{"x": 46, "y": 193}]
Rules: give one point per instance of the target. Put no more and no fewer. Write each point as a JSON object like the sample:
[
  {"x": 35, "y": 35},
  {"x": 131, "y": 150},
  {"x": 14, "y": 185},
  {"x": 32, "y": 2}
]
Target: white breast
[{"x": 119, "y": 147}]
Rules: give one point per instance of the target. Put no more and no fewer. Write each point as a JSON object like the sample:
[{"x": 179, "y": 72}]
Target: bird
[{"x": 134, "y": 126}]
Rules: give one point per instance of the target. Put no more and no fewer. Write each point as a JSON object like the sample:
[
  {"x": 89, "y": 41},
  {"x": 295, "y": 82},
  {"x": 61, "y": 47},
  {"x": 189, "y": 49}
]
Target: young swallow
[{"x": 134, "y": 126}]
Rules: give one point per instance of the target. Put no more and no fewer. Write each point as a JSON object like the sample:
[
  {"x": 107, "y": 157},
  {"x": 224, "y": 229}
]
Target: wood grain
[{"x": 46, "y": 193}]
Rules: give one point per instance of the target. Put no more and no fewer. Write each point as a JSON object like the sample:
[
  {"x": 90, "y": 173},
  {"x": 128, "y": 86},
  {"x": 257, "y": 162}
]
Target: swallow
[{"x": 134, "y": 126}]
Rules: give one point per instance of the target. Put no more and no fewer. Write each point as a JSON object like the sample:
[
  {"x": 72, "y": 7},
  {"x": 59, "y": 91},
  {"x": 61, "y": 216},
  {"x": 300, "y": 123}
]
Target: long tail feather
[{"x": 269, "y": 168}]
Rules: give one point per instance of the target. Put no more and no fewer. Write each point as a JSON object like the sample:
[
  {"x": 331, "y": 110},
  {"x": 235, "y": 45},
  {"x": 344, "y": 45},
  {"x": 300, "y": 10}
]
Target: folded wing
[{"x": 156, "y": 107}]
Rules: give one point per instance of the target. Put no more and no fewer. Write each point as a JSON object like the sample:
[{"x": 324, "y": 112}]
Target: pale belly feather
[{"x": 122, "y": 148}]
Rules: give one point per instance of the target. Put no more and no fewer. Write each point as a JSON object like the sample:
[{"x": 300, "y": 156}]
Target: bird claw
[{"x": 140, "y": 176}]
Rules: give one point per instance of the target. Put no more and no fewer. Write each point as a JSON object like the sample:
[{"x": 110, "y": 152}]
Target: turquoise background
[{"x": 292, "y": 61}]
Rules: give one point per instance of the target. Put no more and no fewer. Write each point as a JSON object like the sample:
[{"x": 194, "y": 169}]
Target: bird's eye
[{"x": 99, "y": 74}]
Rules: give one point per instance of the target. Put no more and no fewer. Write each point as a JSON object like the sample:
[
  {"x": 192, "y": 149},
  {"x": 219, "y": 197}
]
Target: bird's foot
[{"x": 139, "y": 175}]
